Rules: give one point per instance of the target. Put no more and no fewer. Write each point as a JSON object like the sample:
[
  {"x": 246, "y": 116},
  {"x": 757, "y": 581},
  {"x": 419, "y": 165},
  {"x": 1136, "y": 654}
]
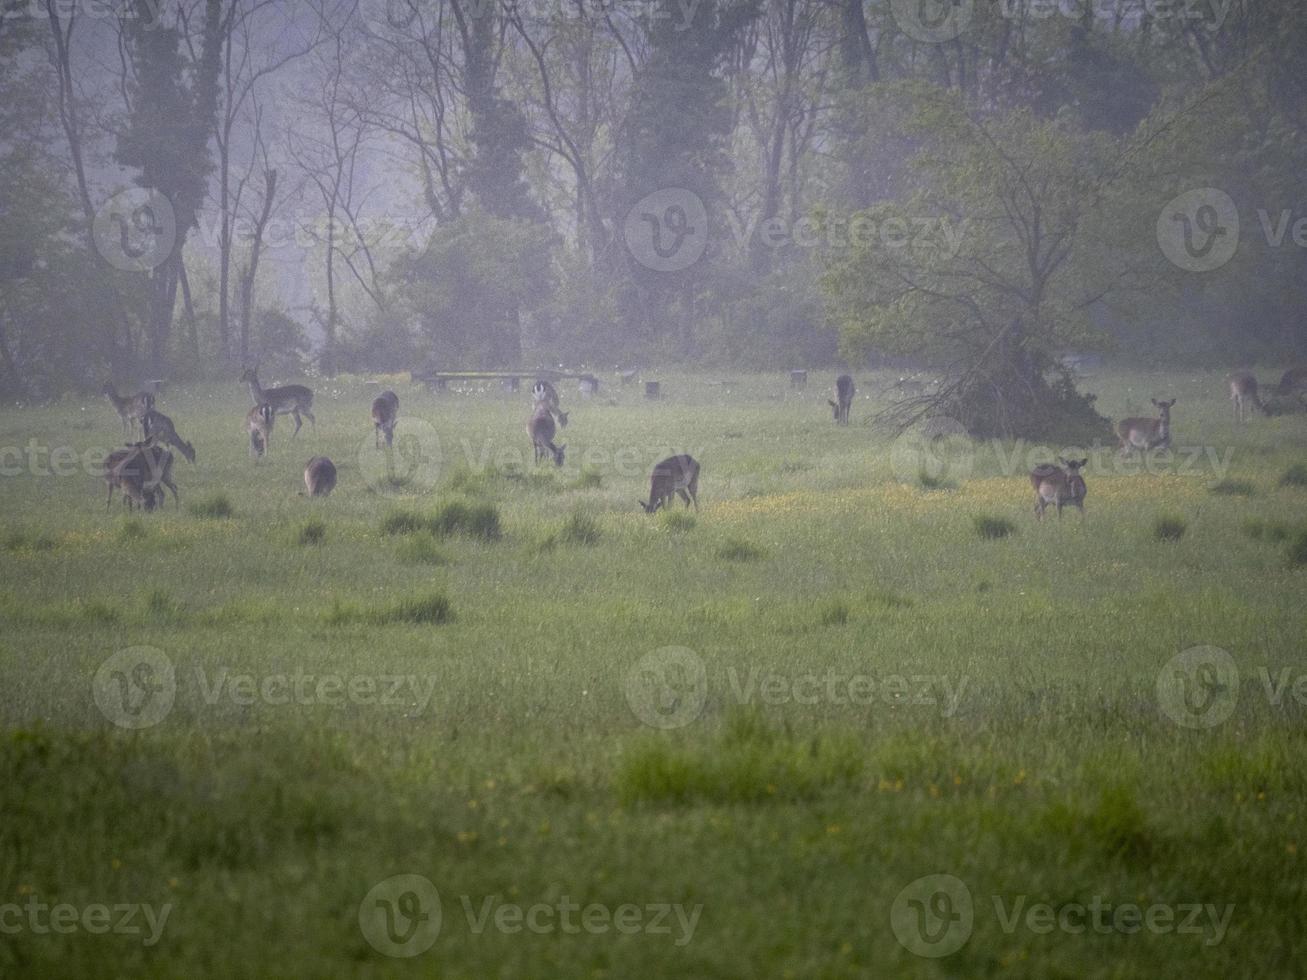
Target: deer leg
[
  {"x": 309, "y": 416},
  {"x": 295, "y": 413}
]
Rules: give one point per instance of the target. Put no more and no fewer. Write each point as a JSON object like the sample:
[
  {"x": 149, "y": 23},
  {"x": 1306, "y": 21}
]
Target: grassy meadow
[{"x": 723, "y": 744}]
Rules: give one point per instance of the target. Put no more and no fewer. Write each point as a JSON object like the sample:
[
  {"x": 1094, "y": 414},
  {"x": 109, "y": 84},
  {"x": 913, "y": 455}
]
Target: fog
[{"x": 975, "y": 190}]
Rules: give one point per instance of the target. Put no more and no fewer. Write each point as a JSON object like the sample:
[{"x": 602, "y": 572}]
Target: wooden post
[
  {"x": 798, "y": 379},
  {"x": 652, "y": 390}
]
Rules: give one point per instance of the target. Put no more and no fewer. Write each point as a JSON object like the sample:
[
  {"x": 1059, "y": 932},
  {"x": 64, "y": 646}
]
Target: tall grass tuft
[
  {"x": 1269, "y": 531},
  {"x": 580, "y": 528},
  {"x": 992, "y": 528},
  {"x": 738, "y": 549},
  {"x": 1169, "y": 527},
  {"x": 311, "y": 532},
  {"x": 1295, "y": 476},
  {"x": 420, "y": 549},
  {"x": 404, "y": 522},
  {"x": 215, "y": 505},
  {"x": 1233, "y": 488},
  {"x": 132, "y": 529},
  {"x": 1298, "y": 550},
  {"x": 588, "y": 479},
  {"x": 678, "y": 521}
]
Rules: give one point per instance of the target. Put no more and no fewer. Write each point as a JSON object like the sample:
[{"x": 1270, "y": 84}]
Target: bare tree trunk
[{"x": 247, "y": 278}]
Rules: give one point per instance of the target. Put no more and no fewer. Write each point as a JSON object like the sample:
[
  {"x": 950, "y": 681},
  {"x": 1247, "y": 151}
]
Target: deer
[
  {"x": 385, "y": 413},
  {"x": 140, "y": 470},
  {"x": 258, "y": 422},
  {"x": 132, "y": 409},
  {"x": 1145, "y": 434},
  {"x": 293, "y": 400},
  {"x": 543, "y": 393},
  {"x": 674, "y": 475},
  {"x": 844, "y": 398},
  {"x": 1243, "y": 391},
  {"x": 540, "y": 427},
  {"x": 1054, "y": 485},
  {"x": 1294, "y": 381},
  {"x": 320, "y": 477},
  {"x": 159, "y": 427}
]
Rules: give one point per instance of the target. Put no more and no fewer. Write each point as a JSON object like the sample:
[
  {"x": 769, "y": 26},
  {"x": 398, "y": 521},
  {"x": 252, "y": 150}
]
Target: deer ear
[
  {"x": 1155, "y": 402},
  {"x": 1085, "y": 461}
]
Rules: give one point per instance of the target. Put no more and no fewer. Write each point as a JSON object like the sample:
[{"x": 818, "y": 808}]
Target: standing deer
[
  {"x": 674, "y": 475},
  {"x": 1243, "y": 391},
  {"x": 132, "y": 409},
  {"x": 844, "y": 398},
  {"x": 1054, "y": 485},
  {"x": 160, "y": 428},
  {"x": 293, "y": 400},
  {"x": 320, "y": 477},
  {"x": 385, "y": 413},
  {"x": 258, "y": 422},
  {"x": 540, "y": 427},
  {"x": 543, "y": 393},
  {"x": 1145, "y": 434}
]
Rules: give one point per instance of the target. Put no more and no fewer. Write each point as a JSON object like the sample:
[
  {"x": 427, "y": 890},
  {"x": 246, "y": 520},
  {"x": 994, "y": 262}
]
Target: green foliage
[{"x": 1233, "y": 488}]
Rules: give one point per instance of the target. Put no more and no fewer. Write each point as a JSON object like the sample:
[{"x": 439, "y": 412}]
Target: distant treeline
[{"x": 389, "y": 184}]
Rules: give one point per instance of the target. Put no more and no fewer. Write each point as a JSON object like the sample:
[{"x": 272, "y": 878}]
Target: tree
[
  {"x": 173, "y": 108},
  {"x": 988, "y": 268}
]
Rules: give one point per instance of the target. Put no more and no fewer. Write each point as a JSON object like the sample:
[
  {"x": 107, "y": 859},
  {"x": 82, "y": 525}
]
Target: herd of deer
[{"x": 141, "y": 470}]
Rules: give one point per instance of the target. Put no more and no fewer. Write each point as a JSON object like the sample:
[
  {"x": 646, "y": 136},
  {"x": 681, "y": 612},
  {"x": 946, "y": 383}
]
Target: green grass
[
  {"x": 885, "y": 692},
  {"x": 1234, "y": 488}
]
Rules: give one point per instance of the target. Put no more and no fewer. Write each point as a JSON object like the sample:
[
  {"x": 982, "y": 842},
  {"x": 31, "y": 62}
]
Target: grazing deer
[
  {"x": 293, "y": 400},
  {"x": 674, "y": 475},
  {"x": 1294, "y": 381},
  {"x": 1243, "y": 391},
  {"x": 1145, "y": 434},
  {"x": 259, "y": 422},
  {"x": 130, "y": 480},
  {"x": 140, "y": 470},
  {"x": 541, "y": 429},
  {"x": 160, "y": 428},
  {"x": 1054, "y": 485},
  {"x": 320, "y": 477},
  {"x": 132, "y": 409},
  {"x": 543, "y": 393},
  {"x": 385, "y": 413},
  {"x": 844, "y": 398}
]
